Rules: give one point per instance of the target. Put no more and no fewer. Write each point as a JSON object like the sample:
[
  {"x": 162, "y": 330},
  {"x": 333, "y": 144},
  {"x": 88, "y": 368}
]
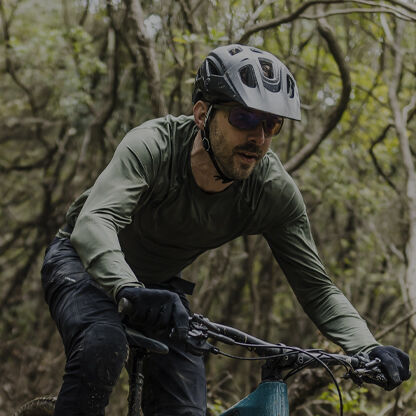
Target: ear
[{"x": 200, "y": 111}]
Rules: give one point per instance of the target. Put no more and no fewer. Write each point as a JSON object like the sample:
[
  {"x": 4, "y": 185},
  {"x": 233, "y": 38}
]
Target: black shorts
[{"x": 95, "y": 347}]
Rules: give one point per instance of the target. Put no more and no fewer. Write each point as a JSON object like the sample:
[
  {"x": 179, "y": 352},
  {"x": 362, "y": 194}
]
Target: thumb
[{"x": 180, "y": 319}]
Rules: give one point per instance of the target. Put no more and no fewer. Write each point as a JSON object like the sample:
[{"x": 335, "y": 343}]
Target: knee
[{"x": 104, "y": 353}]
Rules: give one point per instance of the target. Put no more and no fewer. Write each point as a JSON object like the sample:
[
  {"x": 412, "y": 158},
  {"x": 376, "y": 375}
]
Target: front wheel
[{"x": 41, "y": 406}]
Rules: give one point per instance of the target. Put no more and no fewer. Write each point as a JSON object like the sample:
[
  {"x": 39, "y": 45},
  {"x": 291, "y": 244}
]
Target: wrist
[{"x": 121, "y": 291}]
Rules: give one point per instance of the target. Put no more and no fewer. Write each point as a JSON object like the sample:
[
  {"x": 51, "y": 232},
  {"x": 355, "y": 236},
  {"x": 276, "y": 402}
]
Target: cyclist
[{"x": 176, "y": 187}]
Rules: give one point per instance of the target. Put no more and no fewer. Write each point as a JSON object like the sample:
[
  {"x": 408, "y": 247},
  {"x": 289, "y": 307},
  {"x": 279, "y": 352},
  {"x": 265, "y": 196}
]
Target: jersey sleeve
[
  {"x": 294, "y": 249},
  {"x": 117, "y": 193}
]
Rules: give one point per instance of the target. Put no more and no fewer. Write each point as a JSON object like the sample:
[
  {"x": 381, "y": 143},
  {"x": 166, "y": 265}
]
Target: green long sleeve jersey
[{"x": 146, "y": 219}]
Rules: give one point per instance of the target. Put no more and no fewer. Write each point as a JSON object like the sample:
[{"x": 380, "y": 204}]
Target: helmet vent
[
  {"x": 290, "y": 86},
  {"x": 234, "y": 51},
  {"x": 248, "y": 76},
  {"x": 267, "y": 68},
  {"x": 256, "y": 50},
  {"x": 213, "y": 70}
]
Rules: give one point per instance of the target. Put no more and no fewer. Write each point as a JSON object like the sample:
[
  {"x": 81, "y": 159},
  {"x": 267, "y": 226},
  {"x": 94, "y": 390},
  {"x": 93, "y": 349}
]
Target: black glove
[
  {"x": 155, "y": 309},
  {"x": 394, "y": 364}
]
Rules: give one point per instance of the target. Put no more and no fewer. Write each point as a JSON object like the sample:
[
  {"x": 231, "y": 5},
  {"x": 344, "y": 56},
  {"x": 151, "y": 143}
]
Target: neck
[{"x": 204, "y": 171}]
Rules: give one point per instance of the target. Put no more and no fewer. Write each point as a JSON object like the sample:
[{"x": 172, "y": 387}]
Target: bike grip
[
  {"x": 377, "y": 377},
  {"x": 381, "y": 380},
  {"x": 124, "y": 306}
]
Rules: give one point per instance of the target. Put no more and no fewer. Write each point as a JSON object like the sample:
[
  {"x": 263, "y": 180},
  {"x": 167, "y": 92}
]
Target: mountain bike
[{"x": 270, "y": 398}]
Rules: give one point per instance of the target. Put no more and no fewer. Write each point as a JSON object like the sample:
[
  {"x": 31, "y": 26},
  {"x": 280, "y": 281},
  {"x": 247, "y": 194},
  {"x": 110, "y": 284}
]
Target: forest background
[{"x": 76, "y": 75}]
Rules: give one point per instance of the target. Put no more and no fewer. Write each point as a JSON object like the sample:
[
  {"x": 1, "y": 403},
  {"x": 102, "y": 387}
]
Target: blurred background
[{"x": 76, "y": 75}]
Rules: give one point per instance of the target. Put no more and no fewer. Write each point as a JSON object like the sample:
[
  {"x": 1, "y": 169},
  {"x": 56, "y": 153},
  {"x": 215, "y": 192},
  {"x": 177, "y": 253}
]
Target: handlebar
[
  {"x": 360, "y": 368},
  {"x": 279, "y": 357}
]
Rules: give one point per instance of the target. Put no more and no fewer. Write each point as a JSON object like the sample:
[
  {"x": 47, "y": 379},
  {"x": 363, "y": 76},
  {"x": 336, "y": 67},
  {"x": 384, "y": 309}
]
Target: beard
[{"x": 229, "y": 158}]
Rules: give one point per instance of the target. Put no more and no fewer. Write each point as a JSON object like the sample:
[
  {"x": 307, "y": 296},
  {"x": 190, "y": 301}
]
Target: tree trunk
[
  {"x": 148, "y": 54},
  {"x": 400, "y": 123}
]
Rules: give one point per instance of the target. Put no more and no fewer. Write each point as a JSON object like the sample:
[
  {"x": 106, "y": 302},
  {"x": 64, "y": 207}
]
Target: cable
[
  {"x": 345, "y": 364},
  {"x": 288, "y": 351},
  {"x": 294, "y": 350},
  {"x": 267, "y": 357}
]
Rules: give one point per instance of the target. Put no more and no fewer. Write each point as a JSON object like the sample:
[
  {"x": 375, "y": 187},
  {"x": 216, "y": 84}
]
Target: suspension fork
[{"x": 134, "y": 367}]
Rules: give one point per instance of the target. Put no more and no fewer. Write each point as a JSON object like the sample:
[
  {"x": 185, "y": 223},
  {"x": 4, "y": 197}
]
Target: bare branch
[
  {"x": 390, "y": 328},
  {"x": 120, "y": 33},
  {"x": 391, "y": 9},
  {"x": 108, "y": 107},
  {"x": 148, "y": 54},
  {"x": 189, "y": 16},
  {"x": 379, "y": 169},
  {"x": 285, "y": 19},
  {"x": 406, "y": 5},
  {"x": 84, "y": 13},
  {"x": 96, "y": 130},
  {"x": 308, "y": 384},
  {"x": 400, "y": 124},
  {"x": 358, "y": 10},
  {"x": 410, "y": 108},
  {"x": 335, "y": 116},
  {"x": 10, "y": 67},
  {"x": 403, "y": 401},
  {"x": 256, "y": 13},
  {"x": 29, "y": 166},
  {"x": 408, "y": 112},
  {"x": 298, "y": 13},
  {"x": 379, "y": 4}
]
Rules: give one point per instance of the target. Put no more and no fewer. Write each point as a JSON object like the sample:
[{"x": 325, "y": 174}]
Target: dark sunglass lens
[
  {"x": 272, "y": 126},
  {"x": 244, "y": 119}
]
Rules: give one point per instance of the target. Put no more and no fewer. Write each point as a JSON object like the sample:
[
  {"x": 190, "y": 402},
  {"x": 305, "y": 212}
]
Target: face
[{"x": 237, "y": 151}]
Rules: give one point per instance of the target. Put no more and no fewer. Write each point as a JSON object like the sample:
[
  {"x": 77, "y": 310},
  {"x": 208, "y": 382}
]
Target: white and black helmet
[{"x": 249, "y": 76}]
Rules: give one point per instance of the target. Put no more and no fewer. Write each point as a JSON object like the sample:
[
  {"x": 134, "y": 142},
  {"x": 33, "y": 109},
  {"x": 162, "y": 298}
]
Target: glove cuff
[{"x": 119, "y": 294}]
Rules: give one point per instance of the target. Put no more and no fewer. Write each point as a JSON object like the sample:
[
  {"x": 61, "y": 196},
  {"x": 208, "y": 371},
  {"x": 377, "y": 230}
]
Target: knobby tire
[{"x": 41, "y": 406}]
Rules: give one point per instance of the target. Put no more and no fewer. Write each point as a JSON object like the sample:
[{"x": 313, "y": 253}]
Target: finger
[
  {"x": 180, "y": 319},
  {"x": 404, "y": 369},
  {"x": 385, "y": 384},
  {"x": 164, "y": 316},
  {"x": 391, "y": 369},
  {"x": 151, "y": 317}
]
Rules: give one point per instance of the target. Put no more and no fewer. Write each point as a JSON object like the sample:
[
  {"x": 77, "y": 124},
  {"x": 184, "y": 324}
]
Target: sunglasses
[{"x": 245, "y": 119}]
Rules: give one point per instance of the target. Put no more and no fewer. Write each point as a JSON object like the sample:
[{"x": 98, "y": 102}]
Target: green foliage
[
  {"x": 354, "y": 400},
  {"x": 84, "y": 53},
  {"x": 216, "y": 407}
]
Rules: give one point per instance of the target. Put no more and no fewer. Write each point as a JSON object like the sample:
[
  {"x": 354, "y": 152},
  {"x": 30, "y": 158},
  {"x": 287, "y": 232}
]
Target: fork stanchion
[{"x": 136, "y": 379}]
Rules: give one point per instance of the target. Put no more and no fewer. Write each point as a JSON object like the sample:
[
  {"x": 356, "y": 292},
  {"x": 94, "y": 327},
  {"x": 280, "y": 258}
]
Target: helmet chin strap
[{"x": 207, "y": 146}]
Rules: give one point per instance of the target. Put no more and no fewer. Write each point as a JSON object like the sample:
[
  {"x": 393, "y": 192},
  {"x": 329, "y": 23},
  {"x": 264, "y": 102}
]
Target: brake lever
[
  {"x": 199, "y": 347},
  {"x": 203, "y": 322},
  {"x": 196, "y": 341},
  {"x": 369, "y": 372}
]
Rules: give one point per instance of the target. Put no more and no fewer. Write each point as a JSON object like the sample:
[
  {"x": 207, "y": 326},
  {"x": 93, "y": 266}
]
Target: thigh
[
  {"x": 95, "y": 346},
  {"x": 76, "y": 302},
  {"x": 91, "y": 330},
  {"x": 174, "y": 383}
]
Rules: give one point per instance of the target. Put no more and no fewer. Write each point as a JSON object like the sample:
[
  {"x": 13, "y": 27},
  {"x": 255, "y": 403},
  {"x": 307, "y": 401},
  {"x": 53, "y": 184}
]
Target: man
[{"x": 176, "y": 187}]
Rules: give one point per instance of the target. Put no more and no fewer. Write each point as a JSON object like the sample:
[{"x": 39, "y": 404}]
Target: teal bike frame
[{"x": 269, "y": 399}]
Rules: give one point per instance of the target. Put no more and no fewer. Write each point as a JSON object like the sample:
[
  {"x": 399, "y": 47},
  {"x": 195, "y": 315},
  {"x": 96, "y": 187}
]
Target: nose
[{"x": 257, "y": 135}]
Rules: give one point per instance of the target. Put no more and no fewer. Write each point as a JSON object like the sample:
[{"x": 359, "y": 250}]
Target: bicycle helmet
[{"x": 249, "y": 76}]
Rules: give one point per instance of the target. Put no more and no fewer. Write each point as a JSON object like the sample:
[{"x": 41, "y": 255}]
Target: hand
[
  {"x": 394, "y": 364},
  {"x": 156, "y": 309}
]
